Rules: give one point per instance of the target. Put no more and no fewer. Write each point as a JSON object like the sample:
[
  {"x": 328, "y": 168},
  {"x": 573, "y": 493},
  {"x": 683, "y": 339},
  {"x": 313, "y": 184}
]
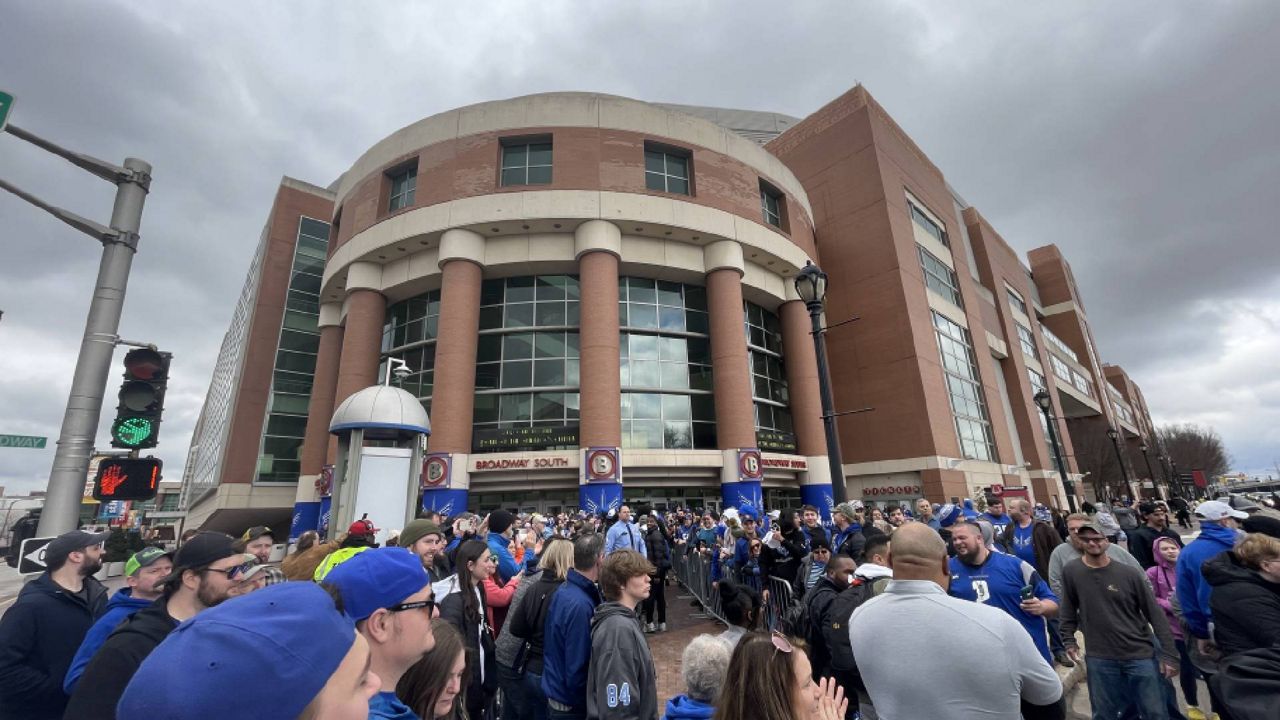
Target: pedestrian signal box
[{"x": 127, "y": 479}]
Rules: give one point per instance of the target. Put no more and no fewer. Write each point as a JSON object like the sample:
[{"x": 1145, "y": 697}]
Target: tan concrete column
[
  {"x": 802, "y": 378},
  {"x": 320, "y": 409},
  {"x": 735, "y": 414},
  {"x": 598, "y": 245},
  {"x": 453, "y": 395}
]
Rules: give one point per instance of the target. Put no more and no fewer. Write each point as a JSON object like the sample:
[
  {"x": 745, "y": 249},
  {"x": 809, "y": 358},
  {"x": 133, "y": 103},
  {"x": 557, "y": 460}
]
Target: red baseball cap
[{"x": 362, "y": 528}]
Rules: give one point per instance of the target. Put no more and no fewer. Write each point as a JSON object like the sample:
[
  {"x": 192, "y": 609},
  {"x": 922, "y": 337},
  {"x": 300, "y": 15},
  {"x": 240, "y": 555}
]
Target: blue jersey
[
  {"x": 1022, "y": 546},
  {"x": 999, "y": 522},
  {"x": 998, "y": 582}
]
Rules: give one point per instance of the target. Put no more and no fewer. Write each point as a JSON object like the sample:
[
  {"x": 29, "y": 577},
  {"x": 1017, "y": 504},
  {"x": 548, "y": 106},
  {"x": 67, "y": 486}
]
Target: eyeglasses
[
  {"x": 428, "y": 605},
  {"x": 234, "y": 570}
]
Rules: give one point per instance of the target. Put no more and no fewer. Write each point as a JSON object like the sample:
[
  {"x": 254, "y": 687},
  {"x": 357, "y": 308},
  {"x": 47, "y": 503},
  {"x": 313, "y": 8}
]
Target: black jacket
[
  {"x": 1141, "y": 541},
  {"x": 530, "y": 619},
  {"x": 113, "y": 666},
  {"x": 39, "y": 636},
  {"x": 784, "y": 561},
  {"x": 474, "y": 636},
  {"x": 1251, "y": 680},
  {"x": 658, "y": 550},
  {"x": 819, "y": 604},
  {"x": 1245, "y": 608}
]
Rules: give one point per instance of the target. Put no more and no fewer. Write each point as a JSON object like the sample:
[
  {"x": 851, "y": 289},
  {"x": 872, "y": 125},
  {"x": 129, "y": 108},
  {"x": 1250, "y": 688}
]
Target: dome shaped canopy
[{"x": 381, "y": 407}]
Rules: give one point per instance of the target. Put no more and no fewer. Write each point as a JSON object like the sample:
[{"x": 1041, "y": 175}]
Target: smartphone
[{"x": 1028, "y": 592}]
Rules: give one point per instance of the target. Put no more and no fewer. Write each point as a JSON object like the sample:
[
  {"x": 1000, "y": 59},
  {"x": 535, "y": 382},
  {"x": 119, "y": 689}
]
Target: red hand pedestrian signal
[
  {"x": 127, "y": 479},
  {"x": 112, "y": 479}
]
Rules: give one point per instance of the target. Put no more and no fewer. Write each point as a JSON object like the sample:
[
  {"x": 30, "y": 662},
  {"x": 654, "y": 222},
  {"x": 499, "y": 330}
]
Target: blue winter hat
[
  {"x": 377, "y": 578},
  {"x": 969, "y": 512},
  {"x": 286, "y": 638},
  {"x": 948, "y": 515},
  {"x": 746, "y": 512}
]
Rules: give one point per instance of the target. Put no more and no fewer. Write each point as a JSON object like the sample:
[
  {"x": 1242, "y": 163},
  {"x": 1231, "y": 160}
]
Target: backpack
[
  {"x": 835, "y": 631},
  {"x": 795, "y": 620}
]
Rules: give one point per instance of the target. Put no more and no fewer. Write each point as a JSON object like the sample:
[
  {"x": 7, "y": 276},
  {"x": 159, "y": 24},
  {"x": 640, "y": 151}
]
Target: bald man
[{"x": 1012, "y": 672}]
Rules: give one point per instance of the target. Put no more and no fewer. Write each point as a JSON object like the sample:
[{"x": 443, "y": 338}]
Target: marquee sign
[
  {"x": 496, "y": 440},
  {"x": 775, "y": 441}
]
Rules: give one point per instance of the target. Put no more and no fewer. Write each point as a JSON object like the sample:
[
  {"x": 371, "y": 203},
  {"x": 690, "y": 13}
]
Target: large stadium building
[{"x": 594, "y": 299}]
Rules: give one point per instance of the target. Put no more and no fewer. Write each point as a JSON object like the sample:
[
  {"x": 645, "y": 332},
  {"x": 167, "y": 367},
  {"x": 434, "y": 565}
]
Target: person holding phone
[{"x": 1003, "y": 581}]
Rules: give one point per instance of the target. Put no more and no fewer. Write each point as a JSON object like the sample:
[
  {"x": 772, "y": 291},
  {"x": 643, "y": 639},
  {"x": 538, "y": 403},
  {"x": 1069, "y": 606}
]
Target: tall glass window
[
  {"x": 279, "y": 460},
  {"x": 666, "y": 170},
  {"x": 527, "y": 363},
  {"x": 939, "y": 278},
  {"x": 768, "y": 375},
  {"x": 1016, "y": 301},
  {"x": 526, "y": 162},
  {"x": 665, "y": 365},
  {"x": 968, "y": 401},
  {"x": 927, "y": 224},
  {"x": 771, "y": 204},
  {"x": 404, "y": 183},
  {"x": 409, "y": 334},
  {"x": 1027, "y": 340}
]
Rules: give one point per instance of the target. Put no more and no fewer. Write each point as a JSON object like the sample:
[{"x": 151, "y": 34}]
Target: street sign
[
  {"x": 22, "y": 441},
  {"x": 127, "y": 479},
  {"x": 6, "y": 106},
  {"x": 31, "y": 555}
]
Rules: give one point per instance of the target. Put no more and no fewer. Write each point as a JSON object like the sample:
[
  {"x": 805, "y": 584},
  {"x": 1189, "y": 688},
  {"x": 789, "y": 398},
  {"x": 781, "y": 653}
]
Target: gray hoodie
[{"x": 621, "y": 679}]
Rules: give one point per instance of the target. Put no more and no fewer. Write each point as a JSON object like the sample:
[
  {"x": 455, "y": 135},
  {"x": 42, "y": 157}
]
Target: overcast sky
[{"x": 1141, "y": 137}]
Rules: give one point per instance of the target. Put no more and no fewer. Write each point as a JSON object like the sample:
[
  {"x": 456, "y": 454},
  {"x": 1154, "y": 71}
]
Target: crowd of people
[{"x": 515, "y": 617}]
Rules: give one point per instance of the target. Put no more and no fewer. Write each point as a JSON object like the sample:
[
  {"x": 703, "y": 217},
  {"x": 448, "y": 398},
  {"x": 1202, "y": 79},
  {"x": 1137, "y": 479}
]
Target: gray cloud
[{"x": 1139, "y": 137}]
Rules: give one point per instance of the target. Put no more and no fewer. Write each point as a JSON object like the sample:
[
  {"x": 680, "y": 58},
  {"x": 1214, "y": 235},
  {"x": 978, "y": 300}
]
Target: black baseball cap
[
  {"x": 256, "y": 532},
  {"x": 56, "y": 552},
  {"x": 203, "y": 549}
]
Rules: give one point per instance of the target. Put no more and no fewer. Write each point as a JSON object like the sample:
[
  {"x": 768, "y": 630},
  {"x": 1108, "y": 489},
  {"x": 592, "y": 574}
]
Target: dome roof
[{"x": 381, "y": 407}]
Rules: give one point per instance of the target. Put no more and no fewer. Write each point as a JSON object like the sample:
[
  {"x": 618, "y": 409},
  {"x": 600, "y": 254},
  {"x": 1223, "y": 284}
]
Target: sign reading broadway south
[{"x": 22, "y": 441}]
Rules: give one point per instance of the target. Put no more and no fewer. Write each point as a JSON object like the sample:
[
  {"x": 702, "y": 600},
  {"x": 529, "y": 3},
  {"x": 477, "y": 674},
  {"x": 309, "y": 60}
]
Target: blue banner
[
  {"x": 306, "y": 516},
  {"x": 820, "y": 497},
  {"x": 322, "y": 525},
  {"x": 446, "y": 501},
  {"x": 600, "y": 497},
  {"x": 743, "y": 495}
]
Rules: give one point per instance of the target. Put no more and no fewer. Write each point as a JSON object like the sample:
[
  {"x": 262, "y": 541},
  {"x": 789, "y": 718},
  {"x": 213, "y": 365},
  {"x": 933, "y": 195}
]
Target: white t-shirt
[{"x": 976, "y": 662}]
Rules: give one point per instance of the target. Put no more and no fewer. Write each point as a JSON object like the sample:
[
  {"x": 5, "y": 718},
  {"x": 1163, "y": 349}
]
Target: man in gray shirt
[
  {"x": 1117, "y": 611},
  {"x": 1073, "y": 549},
  {"x": 1012, "y": 671}
]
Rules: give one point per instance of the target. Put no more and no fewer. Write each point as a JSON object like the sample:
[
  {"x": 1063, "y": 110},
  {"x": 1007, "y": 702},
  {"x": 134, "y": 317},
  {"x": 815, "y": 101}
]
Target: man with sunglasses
[
  {"x": 1113, "y": 606},
  {"x": 205, "y": 571},
  {"x": 387, "y": 592}
]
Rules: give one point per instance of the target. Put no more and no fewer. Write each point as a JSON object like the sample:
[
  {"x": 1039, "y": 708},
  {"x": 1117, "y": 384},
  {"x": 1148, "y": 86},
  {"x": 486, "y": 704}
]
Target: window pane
[
  {"x": 491, "y": 317},
  {"x": 520, "y": 315},
  {"x": 645, "y": 373},
  {"x": 644, "y": 347},
  {"x": 641, "y": 290},
  {"x": 675, "y": 376},
  {"x": 704, "y": 407},
  {"x": 519, "y": 289},
  {"x": 539, "y": 175},
  {"x": 643, "y": 316},
  {"x": 513, "y": 176},
  {"x": 486, "y": 408},
  {"x": 548, "y": 373},
  {"x": 704, "y": 435},
  {"x": 550, "y": 287},
  {"x": 646, "y": 406},
  {"x": 518, "y": 346},
  {"x": 540, "y": 154},
  {"x": 678, "y": 435},
  {"x": 491, "y": 292},
  {"x": 676, "y": 407},
  {"x": 517, "y": 374},
  {"x": 515, "y": 156},
  {"x": 487, "y": 376},
  {"x": 515, "y": 407},
  {"x": 655, "y": 182},
  {"x": 673, "y": 349},
  {"x": 551, "y": 314},
  {"x": 677, "y": 186},
  {"x": 548, "y": 406},
  {"x": 548, "y": 345},
  {"x": 670, "y": 318},
  {"x": 677, "y": 166},
  {"x": 653, "y": 162},
  {"x": 669, "y": 294}
]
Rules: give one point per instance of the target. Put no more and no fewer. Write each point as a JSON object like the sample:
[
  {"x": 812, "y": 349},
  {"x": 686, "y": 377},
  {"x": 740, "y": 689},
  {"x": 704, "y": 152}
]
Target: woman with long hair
[
  {"x": 770, "y": 678},
  {"x": 519, "y": 646},
  {"x": 435, "y": 687},
  {"x": 463, "y": 606}
]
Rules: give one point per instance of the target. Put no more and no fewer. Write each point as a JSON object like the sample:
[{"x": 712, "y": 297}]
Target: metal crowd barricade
[
  {"x": 693, "y": 572},
  {"x": 779, "y": 599}
]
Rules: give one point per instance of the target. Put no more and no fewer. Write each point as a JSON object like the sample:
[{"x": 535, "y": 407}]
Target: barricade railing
[{"x": 693, "y": 572}]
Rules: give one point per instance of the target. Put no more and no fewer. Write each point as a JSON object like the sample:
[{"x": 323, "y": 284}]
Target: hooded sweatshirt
[
  {"x": 1245, "y": 606},
  {"x": 621, "y": 679},
  {"x": 110, "y": 670},
  {"x": 1192, "y": 588},
  {"x": 120, "y": 607},
  {"x": 1164, "y": 582},
  {"x": 683, "y": 707}
]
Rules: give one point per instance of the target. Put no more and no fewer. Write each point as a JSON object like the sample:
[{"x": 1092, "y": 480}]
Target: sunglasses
[
  {"x": 428, "y": 605},
  {"x": 235, "y": 570},
  {"x": 780, "y": 642},
  {"x": 1092, "y": 539}
]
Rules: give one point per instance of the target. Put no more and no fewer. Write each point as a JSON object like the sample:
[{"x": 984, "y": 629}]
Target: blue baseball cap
[
  {"x": 262, "y": 655},
  {"x": 378, "y": 578}
]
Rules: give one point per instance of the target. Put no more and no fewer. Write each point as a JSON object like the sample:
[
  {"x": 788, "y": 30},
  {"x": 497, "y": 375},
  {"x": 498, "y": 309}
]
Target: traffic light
[
  {"x": 137, "y": 423},
  {"x": 127, "y": 479}
]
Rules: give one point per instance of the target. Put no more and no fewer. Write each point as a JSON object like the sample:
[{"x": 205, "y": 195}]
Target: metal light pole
[
  {"x": 84, "y": 405},
  {"x": 1115, "y": 443},
  {"x": 1147, "y": 459},
  {"x": 1045, "y": 403},
  {"x": 811, "y": 285}
]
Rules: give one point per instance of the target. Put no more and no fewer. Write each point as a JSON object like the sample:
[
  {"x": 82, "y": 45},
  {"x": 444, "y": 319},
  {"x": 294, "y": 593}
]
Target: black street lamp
[
  {"x": 1151, "y": 474},
  {"x": 1115, "y": 443},
  {"x": 1045, "y": 403},
  {"x": 811, "y": 286}
]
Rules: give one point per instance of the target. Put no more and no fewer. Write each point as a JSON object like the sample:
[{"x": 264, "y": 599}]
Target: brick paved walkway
[{"x": 682, "y": 626}]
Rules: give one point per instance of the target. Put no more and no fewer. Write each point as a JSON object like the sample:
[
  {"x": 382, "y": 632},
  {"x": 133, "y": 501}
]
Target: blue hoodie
[
  {"x": 1192, "y": 588},
  {"x": 683, "y": 707},
  {"x": 566, "y": 643},
  {"x": 119, "y": 608}
]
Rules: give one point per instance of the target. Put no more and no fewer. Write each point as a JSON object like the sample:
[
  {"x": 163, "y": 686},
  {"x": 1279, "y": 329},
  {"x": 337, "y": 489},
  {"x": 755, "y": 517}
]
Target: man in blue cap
[
  {"x": 279, "y": 653},
  {"x": 387, "y": 592}
]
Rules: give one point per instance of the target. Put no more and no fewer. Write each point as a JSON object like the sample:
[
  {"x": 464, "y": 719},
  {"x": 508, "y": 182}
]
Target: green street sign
[
  {"x": 22, "y": 441},
  {"x": 6, "y": 106},
  {"x": 132, "y": 432}
]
